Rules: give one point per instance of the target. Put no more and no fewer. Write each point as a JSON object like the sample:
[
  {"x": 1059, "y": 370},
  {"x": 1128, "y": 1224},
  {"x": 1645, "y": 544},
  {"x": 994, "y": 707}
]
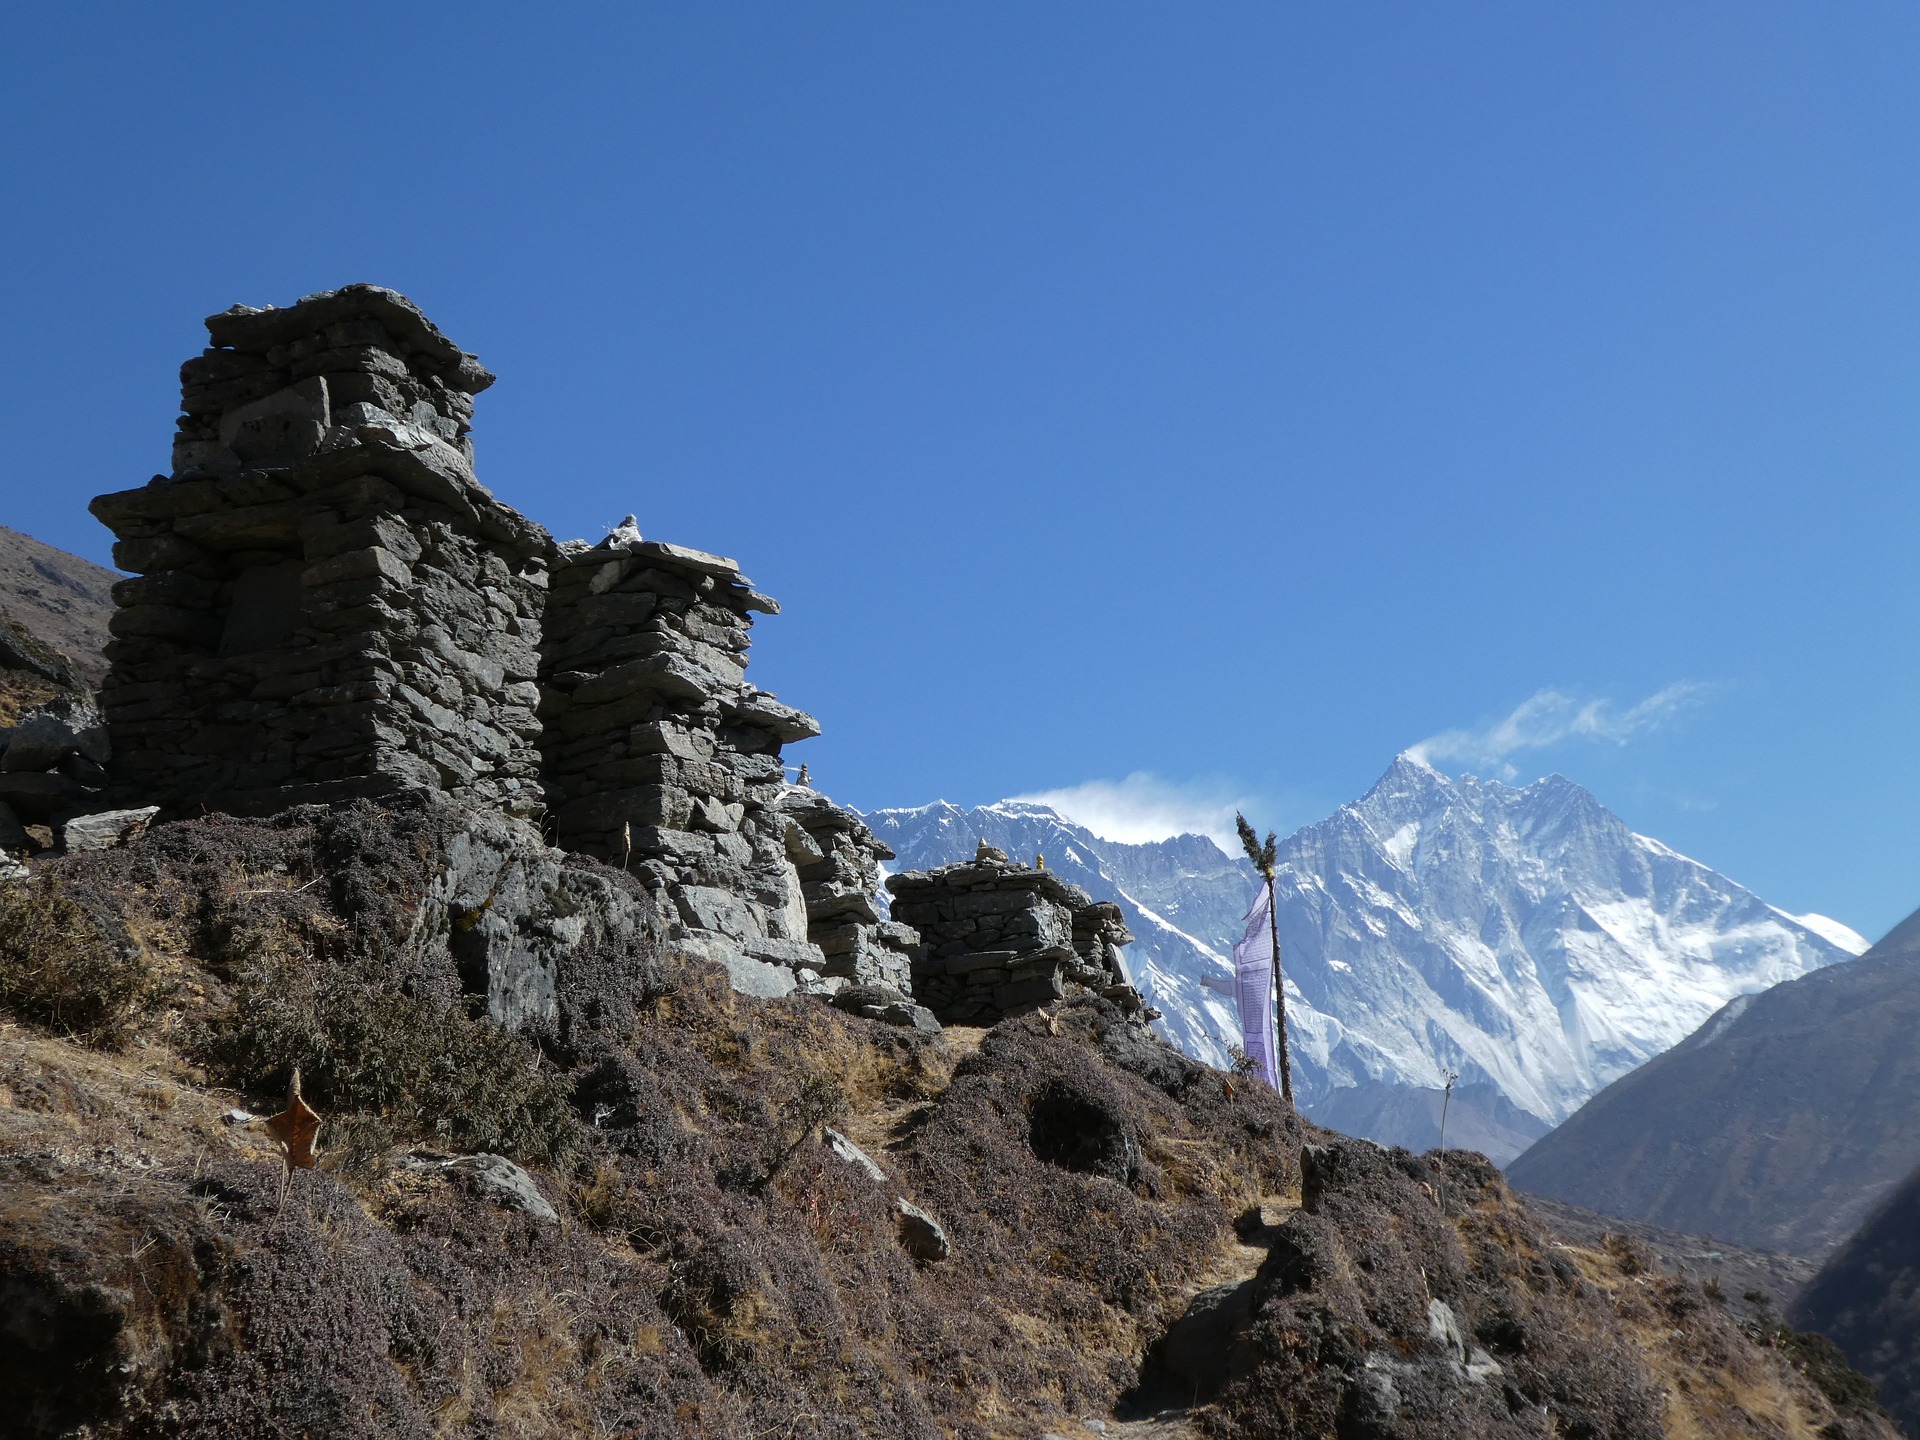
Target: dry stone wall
[
  {"x": 1000, "y": 938},
  {"x": 327, "y": 602},
  {"x": 660, "y": 756}
]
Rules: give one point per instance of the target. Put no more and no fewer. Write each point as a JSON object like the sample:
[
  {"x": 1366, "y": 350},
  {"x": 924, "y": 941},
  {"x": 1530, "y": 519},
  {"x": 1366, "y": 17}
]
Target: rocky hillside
[
  {"x": 672, "y": 1210},
  {"x": 1780, "y": 1124},
  {"x": 1867, "y": 1298},
  {"x": 1523, "y": 937},
  {"x": 62, "y": 599}
]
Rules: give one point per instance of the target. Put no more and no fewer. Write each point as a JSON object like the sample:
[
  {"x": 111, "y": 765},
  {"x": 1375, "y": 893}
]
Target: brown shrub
[
  {"x": 60, "y": 970},
  {"x": 364, "y": 1048}
]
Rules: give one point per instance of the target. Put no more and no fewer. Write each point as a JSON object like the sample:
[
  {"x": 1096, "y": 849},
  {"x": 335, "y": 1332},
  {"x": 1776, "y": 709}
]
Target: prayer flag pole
[{"x": 1263, "y": 856}]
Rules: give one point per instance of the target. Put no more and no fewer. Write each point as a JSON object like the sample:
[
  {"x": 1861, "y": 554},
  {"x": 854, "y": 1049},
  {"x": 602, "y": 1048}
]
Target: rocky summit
[{"x": 438, "y": 1013}]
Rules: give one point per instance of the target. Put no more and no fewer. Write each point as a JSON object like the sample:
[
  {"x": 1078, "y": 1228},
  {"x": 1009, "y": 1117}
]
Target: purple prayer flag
[{"x": 1253, "y": 988}]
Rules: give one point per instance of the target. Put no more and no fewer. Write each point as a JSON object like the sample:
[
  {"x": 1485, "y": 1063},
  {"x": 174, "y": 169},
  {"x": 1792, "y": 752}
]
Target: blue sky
[{"x": 1229, "y": 395}]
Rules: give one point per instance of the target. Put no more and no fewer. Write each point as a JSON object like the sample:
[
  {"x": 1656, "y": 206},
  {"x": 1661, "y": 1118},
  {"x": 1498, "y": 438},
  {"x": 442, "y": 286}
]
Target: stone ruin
[
  {"x": 328, "y": 604},
  {"x": 1000, "y": 938},
  {"x": 662, "y": 758}
]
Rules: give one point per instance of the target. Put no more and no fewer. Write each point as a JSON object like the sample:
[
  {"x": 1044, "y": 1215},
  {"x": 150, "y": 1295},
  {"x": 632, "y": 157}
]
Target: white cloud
[
  {"x": 1549, "y": 717},
  {"x": 1144, "y": 807}
]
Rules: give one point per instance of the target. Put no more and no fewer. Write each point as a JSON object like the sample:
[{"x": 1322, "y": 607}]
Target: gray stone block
[
  {"x": 920, "y": 1233},
  {"x": 497, "y": 1179},
  {"x": 105, "y": 829},
  {"x": 705, "y": 908}
]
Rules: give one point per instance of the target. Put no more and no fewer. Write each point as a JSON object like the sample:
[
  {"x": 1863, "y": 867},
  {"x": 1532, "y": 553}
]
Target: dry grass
[
  {"x": 60, "y": 969},
  {"x": 1716, "y": 1382}
]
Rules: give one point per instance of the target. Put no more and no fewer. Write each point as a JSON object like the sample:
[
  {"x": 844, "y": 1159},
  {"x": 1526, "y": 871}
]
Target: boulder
[
  {"x": 67, "y": 726},
  {"x": 884, "y": 1003},
  {"x": 920, "y": 1233},
  {"x": 854, "y": 1155},
  {"x": 495, "y": 1178},
  {"x": 106, "y": 828}
]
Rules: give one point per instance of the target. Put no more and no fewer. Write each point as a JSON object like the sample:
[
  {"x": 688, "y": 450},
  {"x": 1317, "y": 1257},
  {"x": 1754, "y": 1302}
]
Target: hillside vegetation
[{"x": 1104, "y": 1236}]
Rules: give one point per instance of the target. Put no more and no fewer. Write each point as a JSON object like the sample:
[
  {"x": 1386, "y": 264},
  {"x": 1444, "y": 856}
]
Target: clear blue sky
[{"x": 1236, "y": 394}]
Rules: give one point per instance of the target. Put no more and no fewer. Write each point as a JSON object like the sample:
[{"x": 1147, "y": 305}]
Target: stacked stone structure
[
  {"x": 838, "y": 860},
  {"x": 1000, "y": 938},
  {"x": 661, "y": 757},
  {"x": 327, "y": 602}
]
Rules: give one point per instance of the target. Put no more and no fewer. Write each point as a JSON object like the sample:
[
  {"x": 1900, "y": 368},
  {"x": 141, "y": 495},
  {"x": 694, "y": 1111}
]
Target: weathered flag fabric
[{"x": 1253, "y": 988}]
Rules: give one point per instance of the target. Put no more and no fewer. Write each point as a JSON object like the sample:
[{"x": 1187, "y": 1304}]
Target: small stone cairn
[{"x": 1000, "y": 938}]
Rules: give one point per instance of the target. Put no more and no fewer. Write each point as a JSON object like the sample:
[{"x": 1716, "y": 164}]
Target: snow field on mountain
[{"x": 1523, "y": 938}]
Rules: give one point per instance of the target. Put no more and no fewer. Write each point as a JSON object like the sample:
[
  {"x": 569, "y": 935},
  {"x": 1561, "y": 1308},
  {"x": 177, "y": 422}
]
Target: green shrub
[
  {"x": 60, "y": 971},
  {"x": 366, "y": 1049}
]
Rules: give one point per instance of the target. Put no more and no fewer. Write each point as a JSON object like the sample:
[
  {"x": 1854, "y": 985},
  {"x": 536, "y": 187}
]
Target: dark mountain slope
[
  {"x": 63, "y": 600},
  {"x": 1779, "y": 1124},
  {"x": 1867, "y": 1298}
]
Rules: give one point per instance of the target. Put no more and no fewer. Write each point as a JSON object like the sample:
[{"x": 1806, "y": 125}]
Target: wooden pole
[{"x": 1279, "y": 993}]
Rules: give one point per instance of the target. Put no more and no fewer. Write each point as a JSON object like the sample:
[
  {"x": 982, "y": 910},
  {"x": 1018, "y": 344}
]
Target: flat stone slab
[{"x": 106, "y": 829}]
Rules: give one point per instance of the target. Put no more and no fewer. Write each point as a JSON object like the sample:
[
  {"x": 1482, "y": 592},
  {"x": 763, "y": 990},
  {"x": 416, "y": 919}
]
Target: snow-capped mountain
[{"x": 1523, "y": 938}]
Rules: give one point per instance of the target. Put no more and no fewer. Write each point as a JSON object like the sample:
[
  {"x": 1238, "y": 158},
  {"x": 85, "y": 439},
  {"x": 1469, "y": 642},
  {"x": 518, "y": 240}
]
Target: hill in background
[
  {"x": 1867, "y": 1299},
  {"x": 1779, "y": 1124},
  {"x": 61, "y": 599}
]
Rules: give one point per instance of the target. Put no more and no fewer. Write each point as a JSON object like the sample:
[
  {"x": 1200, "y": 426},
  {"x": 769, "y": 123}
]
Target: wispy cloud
[
  {"x": 1549, "y": 717},
  {"x": 1144, "y": 807}
]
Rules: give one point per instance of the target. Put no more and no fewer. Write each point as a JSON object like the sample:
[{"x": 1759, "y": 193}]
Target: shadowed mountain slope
[
  {"x": 1779, "y": 1124},
  {"x": 1867, "y": 1299},
  {"x": 63, "y": 600}
]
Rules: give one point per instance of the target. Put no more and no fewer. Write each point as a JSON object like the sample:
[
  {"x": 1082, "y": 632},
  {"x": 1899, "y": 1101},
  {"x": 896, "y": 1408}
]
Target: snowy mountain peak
[{"x": 1523, "y": 937}]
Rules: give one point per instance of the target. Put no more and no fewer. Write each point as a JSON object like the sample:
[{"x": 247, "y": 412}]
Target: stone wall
[
  {"x": 660, "y": 757},
  {"x": 328, "y": 603},
  {"x": 838, "y": 860},
  {"x": 1000, "y": 938}
]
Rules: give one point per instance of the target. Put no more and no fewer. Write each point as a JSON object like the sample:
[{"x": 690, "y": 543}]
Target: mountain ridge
[
  {"x": 1399, "y": 967},
  {"x": 1780, "y": 1122}
]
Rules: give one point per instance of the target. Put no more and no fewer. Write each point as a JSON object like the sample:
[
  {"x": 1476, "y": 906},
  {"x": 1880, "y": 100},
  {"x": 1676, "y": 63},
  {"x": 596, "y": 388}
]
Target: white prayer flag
[{"x": 1253, "y": 979}]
